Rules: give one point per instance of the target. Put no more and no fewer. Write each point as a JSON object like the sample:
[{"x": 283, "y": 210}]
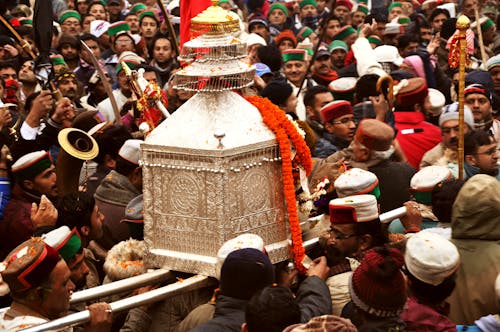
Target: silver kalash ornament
[{"x": 212, "y": 170}]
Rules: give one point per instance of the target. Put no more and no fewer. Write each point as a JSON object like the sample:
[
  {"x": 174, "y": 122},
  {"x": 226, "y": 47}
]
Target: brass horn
[{"x": 78, "y": 143}]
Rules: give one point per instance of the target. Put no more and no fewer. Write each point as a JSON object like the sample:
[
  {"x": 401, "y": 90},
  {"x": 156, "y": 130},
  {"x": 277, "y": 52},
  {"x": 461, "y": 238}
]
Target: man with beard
[
  {"x": 322, "y": 70},
  {"x": 35, "y": 178},
  {"x": 479, "y": 100},
  {"x": 26, "y": 76},
  {"x": 69, "y": 47},
  {"x": 446, "y": 150},
  {"x": 481, "y": 154},
  {"x": 67, "y": 84},
  {"x": 338, "y": 51},
  {"x": 309, "y": 13},
  {"x": 132, "y": 20}
]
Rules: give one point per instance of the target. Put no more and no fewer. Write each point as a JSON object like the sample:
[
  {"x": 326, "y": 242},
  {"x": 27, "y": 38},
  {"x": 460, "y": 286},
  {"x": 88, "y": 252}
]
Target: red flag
[{"x": 189, "y": 9}]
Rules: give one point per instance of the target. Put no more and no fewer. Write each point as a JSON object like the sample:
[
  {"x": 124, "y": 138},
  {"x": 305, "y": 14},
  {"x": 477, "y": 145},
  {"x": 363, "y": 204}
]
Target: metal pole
[{"x": 155, "y": 295}]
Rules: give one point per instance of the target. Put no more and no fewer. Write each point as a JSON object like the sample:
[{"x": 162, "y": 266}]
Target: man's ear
[
  {"x": 85, "y": 230},
  {"x": 109, "y": 161},
  {"x": 28, "y": 184},
  {"x": 470, "y": 160},
  {"x": 365, "y": 242}
]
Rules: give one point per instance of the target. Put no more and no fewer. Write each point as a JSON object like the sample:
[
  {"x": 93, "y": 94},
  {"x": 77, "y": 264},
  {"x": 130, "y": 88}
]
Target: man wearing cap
[
  {"x": 308, "y": 13},
  {"x": 479, "y": 100},
  {"x": 493, "y": 66},
  {"x": 259, "y": 25},
  {"x": 295, "y": 70},
  {"x": 322, "y": 72},
  {"x": 338, "y": 121},
  {"x": 358, "y": 16},
  {"x": 70, "y": 21},
  {"x": 117, "y": 189},
  {"x": 40, "y": 285},
  {"x": 338, "y": 50},
  {"x": 415, "y": 135},
  {"x": 445, "y": 151},
  {"x": 371, "y": 149},
  {"x": 342, "y": 10},
  {"x": 355, "y": 228},
  {"x": 347, "y": 34},
  {"x": 475, "y": 229},
  {"x": 431, "y": 262},
  {"x": 35, "y": 176},
  {"x": 278, "y": 17}
]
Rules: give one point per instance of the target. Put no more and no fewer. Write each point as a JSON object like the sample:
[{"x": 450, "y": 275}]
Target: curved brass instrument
[
  {"x": 385, "y": 86},
  {"x": 76, "y": 146}
]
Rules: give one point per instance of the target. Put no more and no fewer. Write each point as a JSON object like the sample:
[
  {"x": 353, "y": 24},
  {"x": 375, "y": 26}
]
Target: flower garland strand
[{"x": 275, "y": 119}]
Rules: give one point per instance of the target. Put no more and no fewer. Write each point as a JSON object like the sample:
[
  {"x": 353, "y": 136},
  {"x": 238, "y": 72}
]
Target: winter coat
[
  {"x": 476, "y": 233},
  {"x": 422, "y": 318}
]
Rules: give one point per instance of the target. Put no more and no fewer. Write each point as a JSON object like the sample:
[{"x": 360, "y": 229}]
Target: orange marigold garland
[{"x": 276, "y": 120}]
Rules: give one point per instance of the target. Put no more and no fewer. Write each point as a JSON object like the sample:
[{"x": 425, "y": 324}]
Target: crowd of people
[{"x": 372, "y": 88}]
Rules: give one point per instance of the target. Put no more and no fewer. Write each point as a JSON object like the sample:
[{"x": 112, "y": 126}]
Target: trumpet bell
[{"x": 78, "y": 143}]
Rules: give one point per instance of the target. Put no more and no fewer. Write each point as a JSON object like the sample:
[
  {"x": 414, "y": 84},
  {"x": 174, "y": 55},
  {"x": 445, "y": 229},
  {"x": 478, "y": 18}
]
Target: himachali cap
[
  {"x": 131, "y": 150},
  {"x": 304, "y": 33},
  {"x": 30, "y": 165},
  {"x": 344, "y": 32},
  {"x": 404, "y": 20},
  {"x": 450, "y": 112},
  {"x": 99, "y": 27},
  {"x": 375, "y": 40},
  {"x": 431, "y": 258},
  {"x": 357, "y": 181},
  {"x": 335, "y": 109},
  {"x": 343, "y": 88},
  {"x": 362, "y": 8},
  {"x": 286, "y": 34},
  {"x": 414, "y": 91},
  {"x": 338, "y": 45},
  {"x": 64, "y": 240},
  {"x": 116, "y": 27},
  {"x": 485, "y": 22},
  {"x": 138, "y": 6},
  {"x": 423, "y": 182},
  {"x": 493, "y": 62},
  {"x": 57, "y": 59},
  {"x": 26, "y": 21},
  {"x": 304, "y": 3},
  {"x": 29, "y": 264},
  {"x": 147, "y": 14},
  {"x": 345, "y": 3},
  {"x": 374, "y": 135},
  {"x": 393, "y": 28},
  {"x": 437, "y": 100},
  {"x": 394, "y": 4},
  {"x": 69, "y": 13},
  {"x": 323, "y": 323},
  {"x": 353, "y": 209},
  {"x": 378, "y": 286},
  {"x": 294, "y": 55},
  {"x": 278, "y": 6}
]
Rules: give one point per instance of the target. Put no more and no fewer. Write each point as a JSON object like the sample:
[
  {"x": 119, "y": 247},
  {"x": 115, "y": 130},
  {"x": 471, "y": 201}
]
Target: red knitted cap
[
  {"x": 286, "y": 34},
  {"x": 378, "y": 286}
]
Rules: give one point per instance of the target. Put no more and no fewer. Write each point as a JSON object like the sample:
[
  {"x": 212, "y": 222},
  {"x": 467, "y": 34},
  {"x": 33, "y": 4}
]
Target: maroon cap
[{"x": 335, "y": 109}]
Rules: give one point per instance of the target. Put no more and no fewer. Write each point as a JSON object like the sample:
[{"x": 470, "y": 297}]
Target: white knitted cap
[
  {"x": 437, "y": 100},
  {"x": 131, "y": 150},
  {"x": 450, "y": 112},
  {"x": 431, "y": 258},
  {"x": 428, "y": 177},
  {"x": 352, "y": 209},
  {"x": 355, "y": 181}
]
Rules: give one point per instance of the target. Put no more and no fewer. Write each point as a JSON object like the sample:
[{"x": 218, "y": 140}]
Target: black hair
[
  {"x": 373, "y": 228},
  {"x": 75, "y": 210},
  {"x": 110, "y": 141},
  {"x": 311, "y": 93},
  {"x": 159, "y": 35},
  {"x": 439, "y": 11},
  {"x": 88, "y": 36},
  {"x": 330, "y": 17},
  {"x": 405, "y": 40},
  {"x": 272, "y": 309},
  {"x": 67, "y": 39},
  {"x": 474, "y": 140},
  {"x": 271, "y": 56},
  {"x": 124, "y": 167},
  {"x": 443, "y": 197},
  {"x": 377, "y": 17},
  {"x": 24, "y": 31},
  {"x": 366, "y": 86},
  {"x": 8, "y": 64},
  {"x": 148, "y": 68},
  {"x": 430, "y": 294}
]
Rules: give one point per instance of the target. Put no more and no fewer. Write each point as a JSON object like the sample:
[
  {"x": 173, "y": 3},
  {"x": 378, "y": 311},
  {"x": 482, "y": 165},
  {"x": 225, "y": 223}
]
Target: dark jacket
[{"x": 423, "y": 318}]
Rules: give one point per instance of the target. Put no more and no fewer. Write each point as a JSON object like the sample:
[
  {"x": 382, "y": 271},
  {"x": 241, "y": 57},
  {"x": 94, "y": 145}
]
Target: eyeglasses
[
  {"x": 333, "y": 233},
  {"x": 68, "y": 24},
  {"x": 447, "y": 130},
  {"x": 124, "y": 42},
  {"x": 345, "y": 121},
  {"x": 490, "y": 152}
]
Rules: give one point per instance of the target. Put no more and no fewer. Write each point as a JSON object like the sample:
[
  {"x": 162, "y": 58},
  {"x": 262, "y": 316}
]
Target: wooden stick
[
  {"x": 463, "y": 24},
  {"x": 24, "y": 44},
  {"x": 170, "y": 28},
  {"x": 484, "y": 57}
]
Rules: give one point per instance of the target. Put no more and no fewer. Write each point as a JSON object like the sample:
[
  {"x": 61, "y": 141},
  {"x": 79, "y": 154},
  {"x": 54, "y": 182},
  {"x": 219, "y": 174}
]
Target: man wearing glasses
[
  {"x": 70, "y": 21},
  {"x": 339, "y": 123},
  {"x": 481, "y": 155}
]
